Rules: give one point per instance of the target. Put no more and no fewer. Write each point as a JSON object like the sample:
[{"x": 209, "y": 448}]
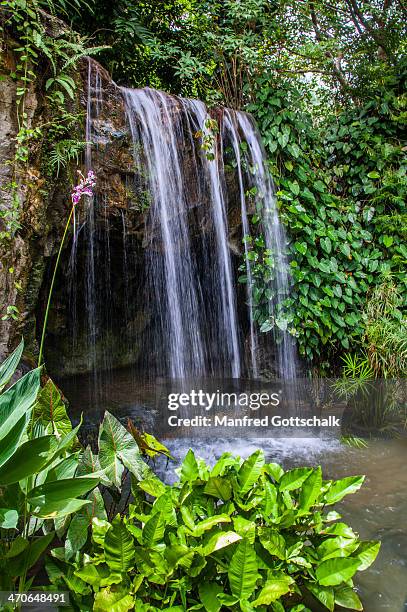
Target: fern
[
  {"x": 64, "y": 152},
  {"x": 66, "y": 6}
]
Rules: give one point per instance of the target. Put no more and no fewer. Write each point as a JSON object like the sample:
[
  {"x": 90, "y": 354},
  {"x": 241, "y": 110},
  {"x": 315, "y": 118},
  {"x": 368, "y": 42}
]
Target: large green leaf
[
  {"x": 277, "y": 585},
  {"x": 336, "y": 571},
  {"x": 242, "y": 572},
  {"x": 119, "y": 547},
  {"x": 220, "y": 540},
  {"x": 310, "y": 490},
  {"x": 343, "y": 487},
  {"x": 189, "y": 468},
  {"x": 118, "y": 449},
  {"x": 9, "y": 366},
  {"x": 29, "y": 459},
  {"x": 66, "y": 468},
  {"x": 59, "y": 498},
  {"x": 154, "y": 529},
  {"x": 210, "y": 522},
  {"x": 293, "y": 479},
  {"x": 208, "y": 592},
  {"x": 152, "y": 485},
  {"x": 347, "y": 598},
  {"x": 12, "y": 440},
  {"x": 55, "y": 510},
  {"x": 275, "y": 470},
  {"x": 250, "y": 471},
  {"x": 59, "y": 490},
  {"x": 113, "y": 601},
  {"x": 77, "y": 534},
  {"x": 50, "y": 411},
  {"x": 367, "y": 553},
  {"x": 270, "y": 506},
  {"x": 17, "y": 546},
  {"x": 324, "y": 594},
  {"x": 273, "y": 542},
  {"x": 8, "y": 518},
  {"x": 18, "y": 400},
  {"x": 336, "y": 547},
  {"x": 218, "y": 487}
]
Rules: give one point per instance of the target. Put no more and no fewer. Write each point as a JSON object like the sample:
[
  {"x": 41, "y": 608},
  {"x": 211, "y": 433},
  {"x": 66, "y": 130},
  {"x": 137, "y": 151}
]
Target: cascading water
[
  {"x": 93, "y": 104},
  {"x": 162, "y": 124},
  {"x": 154, "y": 121},
  {"x": 230, "y": 129},
  {"x": 92, "y": 239},
  {"x": 195, "y": 328},
  {"x": 275, "y": 241},
  {"x": 228, "y": 332}
]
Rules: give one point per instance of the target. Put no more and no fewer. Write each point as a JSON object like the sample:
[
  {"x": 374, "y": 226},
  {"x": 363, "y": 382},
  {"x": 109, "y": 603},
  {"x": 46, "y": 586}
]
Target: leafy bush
[
  {"x": 37, "y": 467},
  {"x": 244, "y": 535},
  {"x": 341, "y": 193},
  {"x": 48, "y": 483}
]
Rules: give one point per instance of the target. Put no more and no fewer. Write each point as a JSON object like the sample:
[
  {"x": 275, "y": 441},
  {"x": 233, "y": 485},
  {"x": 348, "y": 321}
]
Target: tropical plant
[
  {"x": 37, "y": 466},
  {"x": 244, "y": 535},
  {"x": 357, "y": 366},
  {"x": 386, "y": 330},
  {"x": 328, "y": 188},
  {"x": 48, "y": 482}
]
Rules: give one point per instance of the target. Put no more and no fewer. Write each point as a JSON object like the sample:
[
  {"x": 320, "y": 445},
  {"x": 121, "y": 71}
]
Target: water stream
[{"x": 377, "y": 511}]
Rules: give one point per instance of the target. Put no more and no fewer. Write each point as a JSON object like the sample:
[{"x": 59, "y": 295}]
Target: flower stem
[{"x": 44, "y": 327}]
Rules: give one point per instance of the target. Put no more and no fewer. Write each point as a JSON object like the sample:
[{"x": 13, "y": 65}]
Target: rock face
[
  {"x": 95, "y": 320},
  {"x": 18, "y": 258}
]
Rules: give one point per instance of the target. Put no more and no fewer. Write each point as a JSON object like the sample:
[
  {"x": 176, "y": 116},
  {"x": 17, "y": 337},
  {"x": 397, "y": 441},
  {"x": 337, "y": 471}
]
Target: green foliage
[
  {"x": 357, "y": 367},
  {"x": 329, "y": 196},
  {"x": 49, "y": 485},
  {"x": 63, "y": 153},
  {"x": 244, "y": 535},
  {"x": 40, "y": 51},
  {"x": 33, "y": 486},
  {"x": 386, "y": 330}
]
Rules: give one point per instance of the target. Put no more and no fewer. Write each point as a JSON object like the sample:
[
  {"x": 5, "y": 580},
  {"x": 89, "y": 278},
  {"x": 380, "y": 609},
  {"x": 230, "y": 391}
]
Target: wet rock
[{"x": 120, "y": 214}]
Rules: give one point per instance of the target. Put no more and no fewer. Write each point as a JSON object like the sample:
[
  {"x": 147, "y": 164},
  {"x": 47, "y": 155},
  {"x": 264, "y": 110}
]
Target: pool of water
[{"x": 377, "y": 511}]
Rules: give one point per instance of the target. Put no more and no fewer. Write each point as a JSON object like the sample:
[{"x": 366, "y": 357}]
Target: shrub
[
  {"x": 244, "y": 535},
  {"x": 38, "y": 486},
  {"x": 386, "y": 330},
  {"x": 48, "y": 483}
]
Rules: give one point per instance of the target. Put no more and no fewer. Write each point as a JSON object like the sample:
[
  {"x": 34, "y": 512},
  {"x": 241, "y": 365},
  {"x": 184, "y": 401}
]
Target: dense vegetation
[
  {"x": 243, "y": 535},
  {"x": 326, "y": 85}
]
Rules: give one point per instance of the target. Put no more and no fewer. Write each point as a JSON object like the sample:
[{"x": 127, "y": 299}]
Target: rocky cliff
[{"x": 111, "y": 236}]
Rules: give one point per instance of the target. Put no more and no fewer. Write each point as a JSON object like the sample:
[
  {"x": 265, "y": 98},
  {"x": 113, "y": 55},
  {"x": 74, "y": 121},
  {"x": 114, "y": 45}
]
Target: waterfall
[
  {"x": 195, "y": 327},
  {"x": 230, "y": 126},
  {"x": 275, "y": 241},
  {"x": 198, "y": 331},
  {"x": 93, "y": 105},
  {"x": 228, "y": 335},
  {"x": 155, "y": 122},
  {"x": 92, "y": 300}
]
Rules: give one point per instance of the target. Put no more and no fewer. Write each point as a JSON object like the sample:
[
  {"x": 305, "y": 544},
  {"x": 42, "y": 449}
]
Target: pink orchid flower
[{"x": 84, "y": 187}]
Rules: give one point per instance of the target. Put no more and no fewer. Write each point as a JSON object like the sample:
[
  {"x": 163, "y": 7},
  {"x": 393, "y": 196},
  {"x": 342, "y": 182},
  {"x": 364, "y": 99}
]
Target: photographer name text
[{"x": 245, "y": 421}]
